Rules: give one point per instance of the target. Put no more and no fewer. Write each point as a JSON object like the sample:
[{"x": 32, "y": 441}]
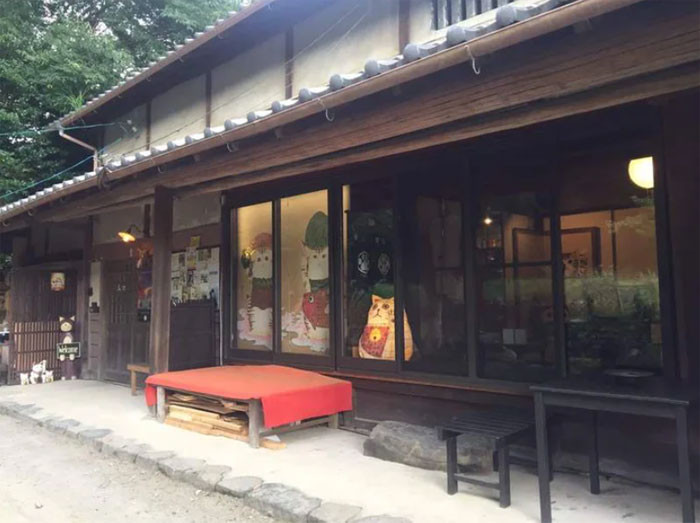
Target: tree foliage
[{"x": 55, "y": 54}]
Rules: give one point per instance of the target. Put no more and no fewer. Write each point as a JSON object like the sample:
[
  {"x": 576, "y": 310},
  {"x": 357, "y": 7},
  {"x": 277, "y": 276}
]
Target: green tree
[{"x": 55, "y": 54}]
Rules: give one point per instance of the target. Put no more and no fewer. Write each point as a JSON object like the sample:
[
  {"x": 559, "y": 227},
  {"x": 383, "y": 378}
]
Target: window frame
[{"x": 338, "y": 362}]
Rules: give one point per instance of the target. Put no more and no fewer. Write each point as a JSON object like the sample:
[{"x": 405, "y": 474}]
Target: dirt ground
[{"x": 48, "y": 477}]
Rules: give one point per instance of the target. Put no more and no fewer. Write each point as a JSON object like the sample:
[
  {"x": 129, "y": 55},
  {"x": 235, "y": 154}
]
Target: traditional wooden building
[{"x": 442, "y": 201}]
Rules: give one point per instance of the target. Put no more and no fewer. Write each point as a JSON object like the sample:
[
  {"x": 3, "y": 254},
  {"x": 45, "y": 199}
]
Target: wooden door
[
  {"x": 126, "y": 337},
  {"x": 34, "y": 313}
]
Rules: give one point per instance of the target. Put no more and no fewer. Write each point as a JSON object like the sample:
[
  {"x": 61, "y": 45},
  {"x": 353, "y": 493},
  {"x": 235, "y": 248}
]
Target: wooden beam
[
  {"x": 679, "y": 79},
  {"x": 160, "y": 297}
]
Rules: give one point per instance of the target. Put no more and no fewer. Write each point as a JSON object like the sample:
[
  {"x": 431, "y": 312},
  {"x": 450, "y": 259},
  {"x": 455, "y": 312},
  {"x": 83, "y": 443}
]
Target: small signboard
[
  {"x": 58, "y": 281},
  {"x": 66, "y": 349}
]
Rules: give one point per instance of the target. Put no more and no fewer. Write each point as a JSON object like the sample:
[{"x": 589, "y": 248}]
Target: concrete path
[
  {"x": 328, "y": 465},
  {"x": 47, "y": 478}
]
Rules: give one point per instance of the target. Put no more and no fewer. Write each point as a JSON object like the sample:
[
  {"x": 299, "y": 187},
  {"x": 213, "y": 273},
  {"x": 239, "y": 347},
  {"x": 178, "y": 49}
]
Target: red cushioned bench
[{"x": 276, "y": 396}]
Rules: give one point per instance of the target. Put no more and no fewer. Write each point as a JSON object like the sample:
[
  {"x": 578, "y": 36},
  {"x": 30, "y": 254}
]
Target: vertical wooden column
[
  {"x": 83, "y": 291},
  {"x": 159, "y": 349}
]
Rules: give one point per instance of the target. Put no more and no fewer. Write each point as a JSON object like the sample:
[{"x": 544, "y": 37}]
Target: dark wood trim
[
  {"x": 146, "y": 226},
  {"x": 664, "y": 258},
  {"x": 149, "y": 123},
  {"x": 207, "y": 99},
  {"x": 336, "y": 272},
  {"x": 399, "y": 276},
  {"x": 277, "y": 278},
  {"x": 404, "y": 23},
  {"x": 558, "y": 300},
  {"x": 470, "y": 216},
  {"x": 289, "y": 62},
  {"x": 160, "y": 303},
  {"x": 227, "y": 276},
  {"x": 209, "y": 236}
]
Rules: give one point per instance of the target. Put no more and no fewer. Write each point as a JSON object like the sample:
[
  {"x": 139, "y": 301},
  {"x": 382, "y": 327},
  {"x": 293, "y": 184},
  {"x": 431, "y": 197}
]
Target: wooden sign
[
  {"x": 58, "y": 281},
  {"x": 66, "y": 349}
]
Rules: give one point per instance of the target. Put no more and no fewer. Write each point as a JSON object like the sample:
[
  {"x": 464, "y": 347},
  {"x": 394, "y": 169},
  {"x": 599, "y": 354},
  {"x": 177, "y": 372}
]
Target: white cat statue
[
  {"x": 47, "y": 376},
  {"x": 24, "y": 378},
  {"x": 38, "y": 370}
]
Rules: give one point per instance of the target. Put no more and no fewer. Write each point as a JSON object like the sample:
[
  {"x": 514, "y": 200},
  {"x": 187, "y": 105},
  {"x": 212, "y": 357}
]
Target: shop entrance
[{"x": 127, "y": 331}]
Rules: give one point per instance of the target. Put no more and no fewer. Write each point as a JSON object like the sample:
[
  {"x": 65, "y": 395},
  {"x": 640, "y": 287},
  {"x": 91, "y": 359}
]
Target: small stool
[
  {"x": 134, "y": 368},
  {"x": 501, "y": 427}
]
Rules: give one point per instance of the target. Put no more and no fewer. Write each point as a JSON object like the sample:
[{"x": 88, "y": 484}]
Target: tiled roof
[{"x": 458, "y": 33}]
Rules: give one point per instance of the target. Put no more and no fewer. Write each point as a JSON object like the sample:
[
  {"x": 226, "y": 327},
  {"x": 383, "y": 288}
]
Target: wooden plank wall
[{"x": 32, "y": 342}]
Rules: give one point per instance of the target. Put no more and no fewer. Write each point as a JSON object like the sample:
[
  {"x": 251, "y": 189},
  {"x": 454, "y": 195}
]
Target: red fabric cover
[{"x": 287, "y": 394}]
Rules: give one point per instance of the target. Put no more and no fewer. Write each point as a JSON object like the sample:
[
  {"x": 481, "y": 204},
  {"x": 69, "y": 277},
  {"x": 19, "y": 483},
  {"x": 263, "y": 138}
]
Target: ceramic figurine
[
  {"x": 24, "y": 378},
  {"x": 69, "y": 365},
  {"x": 377, "y": 340},
  {"x": 47, "y": 377},
  {"x": 37, "y": 370}
]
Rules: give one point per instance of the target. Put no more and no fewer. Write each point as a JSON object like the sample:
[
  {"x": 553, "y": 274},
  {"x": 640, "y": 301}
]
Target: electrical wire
[
  {"x": 53, "y": 176},
  {"x": 30, "y": 132}
]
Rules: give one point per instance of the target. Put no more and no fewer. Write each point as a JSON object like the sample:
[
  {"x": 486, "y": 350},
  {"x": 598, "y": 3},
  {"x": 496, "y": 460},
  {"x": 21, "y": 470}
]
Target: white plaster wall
[
  {"x": 250, "y": 81},
  {"x": 421, "y": 22},
  {"x": 355, "y": 31},
  {"x": 198, "y": 210},
  {"x": 106, "y": 226},
  {"x": 121, "y": 139},
  {"x": 179, "y": 111}
]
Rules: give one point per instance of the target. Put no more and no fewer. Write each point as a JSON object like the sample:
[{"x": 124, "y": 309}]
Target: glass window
[
  {"x": 369, "y": 271},
  {"x": 434, "y": 280},
  {"x": 611, "y": 280},
  {"x": 514, "y": 289},
  {"x": 254, "y": 286},
  {"x": 304, "y": 266}
]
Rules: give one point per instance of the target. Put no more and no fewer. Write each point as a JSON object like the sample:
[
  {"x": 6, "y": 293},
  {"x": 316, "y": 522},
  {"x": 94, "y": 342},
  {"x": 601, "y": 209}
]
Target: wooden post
[
  {"x": 160, "y": 404},
  {"x": 255, "y": 423},
  {"x": 160, "y": 301}
]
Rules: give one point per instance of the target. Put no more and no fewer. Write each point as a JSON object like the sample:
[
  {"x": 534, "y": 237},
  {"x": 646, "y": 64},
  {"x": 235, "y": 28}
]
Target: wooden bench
[
  {"x": 137, "y": 368},
  {"x": 501, "y": 428}
]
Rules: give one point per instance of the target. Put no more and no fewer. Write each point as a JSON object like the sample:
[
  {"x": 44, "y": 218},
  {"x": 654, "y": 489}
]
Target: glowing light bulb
[
  {"x": 488, "y": 220},
  {"x": 641, "y": 172}
]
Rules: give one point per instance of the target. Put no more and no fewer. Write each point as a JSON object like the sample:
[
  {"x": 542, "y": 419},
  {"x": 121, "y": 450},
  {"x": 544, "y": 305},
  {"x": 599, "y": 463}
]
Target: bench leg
[
  {"x": 451, "y": 443},
  {"x": 594, "y": 474},
  {"x": 333, "y": 422},
  {"x": 133, "y": 383},
  {"x": 255, "y": 423},
  {"x": 686, "y": 483},
  {"x": 160, "y": 404},
  {"x": 503, "y": 477}
]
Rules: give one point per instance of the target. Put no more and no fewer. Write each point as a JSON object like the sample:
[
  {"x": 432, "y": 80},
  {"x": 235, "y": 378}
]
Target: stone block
[
  {"x": 94, "y": 437},
  {"x": 382, "y": 519},
  {"x": 334, "y": 513},
  {"x": 178, "y": 468},
  {"x": 239, "y": 486},
  {"x": 74, "y": 430},
  {"x": 61, "y": 425},
  {"x": 419, "y": 446},
  {"x": 130, "y": 451},
  {"x": 207, "y": 477},
  {"x": 150, "y": 458},
  {"x": 112, "y": 443},
  {"x": 282, "y": 502}
]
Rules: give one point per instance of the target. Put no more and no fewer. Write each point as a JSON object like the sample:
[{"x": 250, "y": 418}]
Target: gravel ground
[{"x": 48, "y": 477}]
